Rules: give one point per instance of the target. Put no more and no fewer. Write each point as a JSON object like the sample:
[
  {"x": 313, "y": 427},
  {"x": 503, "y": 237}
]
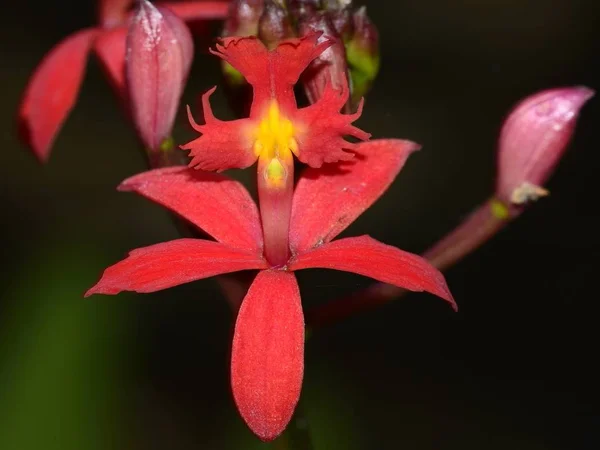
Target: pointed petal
[
  {"x": 323, "y": 127},
  {"x": 110, "y": 50},
  {"x": 223, "y": 144},
  {"x": 52, "y": 91},
  {"x": 172, "y": 263},
  {"x": 366, "y": 256},
  {"x": 328, "y": 199},
  {"x": 267, "y": 360},
  {"x": 272, "y": 74},
  {"x": 113, "y": 12},
  {"x": 220, "y": 206},
  {"x": 198, "y": 10}
]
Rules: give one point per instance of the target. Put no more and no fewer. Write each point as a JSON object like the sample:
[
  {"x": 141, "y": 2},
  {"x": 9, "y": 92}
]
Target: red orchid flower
[
  {"x": 53, "y": 88},
  {"x": 293, "y": 230}
]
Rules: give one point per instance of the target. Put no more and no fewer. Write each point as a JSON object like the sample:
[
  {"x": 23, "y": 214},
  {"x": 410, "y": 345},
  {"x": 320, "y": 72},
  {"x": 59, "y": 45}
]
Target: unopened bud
[
  {"x": 532, "y": 141},
  {"x": 329, "y": 67},
  {"x": 299, "y": 8},
  {"x": 363, "y": 54},
  {"x": 159, "y": 55},
  {"x": 274, "y": 24}
]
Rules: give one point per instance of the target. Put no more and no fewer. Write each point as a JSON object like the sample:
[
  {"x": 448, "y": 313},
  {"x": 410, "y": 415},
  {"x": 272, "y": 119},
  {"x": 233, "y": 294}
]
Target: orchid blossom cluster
[{"x": 295, "y": 223}]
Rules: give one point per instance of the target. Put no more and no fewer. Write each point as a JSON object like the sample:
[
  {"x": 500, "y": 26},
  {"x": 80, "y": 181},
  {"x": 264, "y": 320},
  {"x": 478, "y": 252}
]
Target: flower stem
[{"x": 481, "y": 225}]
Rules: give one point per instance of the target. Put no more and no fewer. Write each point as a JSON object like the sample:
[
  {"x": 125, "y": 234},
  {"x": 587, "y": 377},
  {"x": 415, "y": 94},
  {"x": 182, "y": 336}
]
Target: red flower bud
[
  {"x": 159, "y": 55},
  {"x": 532, "y": 141},
  {"x": 328, "y": 68}
]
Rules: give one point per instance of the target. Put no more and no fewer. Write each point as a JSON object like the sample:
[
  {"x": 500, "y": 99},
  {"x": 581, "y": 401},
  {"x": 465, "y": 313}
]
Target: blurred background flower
[{"x": 516, "y": 363}]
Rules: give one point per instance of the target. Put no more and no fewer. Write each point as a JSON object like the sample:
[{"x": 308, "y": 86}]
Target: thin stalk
[{"x": 481, "y": 225}]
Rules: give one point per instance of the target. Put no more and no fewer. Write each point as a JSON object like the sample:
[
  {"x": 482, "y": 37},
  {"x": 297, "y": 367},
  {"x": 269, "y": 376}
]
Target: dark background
[{"x": 514, "y": 368}]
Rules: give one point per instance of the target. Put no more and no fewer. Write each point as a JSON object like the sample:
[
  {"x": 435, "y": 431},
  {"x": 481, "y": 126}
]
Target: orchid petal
[
  {"x": 272, "y": 74},
  {"x": 198, "y": 10},
  {"x": 322, "y": 138},
  {"x": 223, "y": 144},
  {"x": 267, "y": 361},
  {"x": 110, "y": 49},
  {"x": 218, "y": 205},
  {"x": 172, "y": 263},
  {"x": 366, "y": 256},
  {"x": 52, "y": 91},
  {"x": 329, "y": 199}
]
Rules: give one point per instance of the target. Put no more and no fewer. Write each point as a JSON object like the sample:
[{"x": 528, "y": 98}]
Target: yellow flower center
[{"x": 274, "y": 143}]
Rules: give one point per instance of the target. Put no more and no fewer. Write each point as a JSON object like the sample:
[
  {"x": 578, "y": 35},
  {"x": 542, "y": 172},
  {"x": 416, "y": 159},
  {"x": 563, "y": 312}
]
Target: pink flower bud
[
  {"x": 532, "y": 141},
  {"x": 159, "y": 55}
]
